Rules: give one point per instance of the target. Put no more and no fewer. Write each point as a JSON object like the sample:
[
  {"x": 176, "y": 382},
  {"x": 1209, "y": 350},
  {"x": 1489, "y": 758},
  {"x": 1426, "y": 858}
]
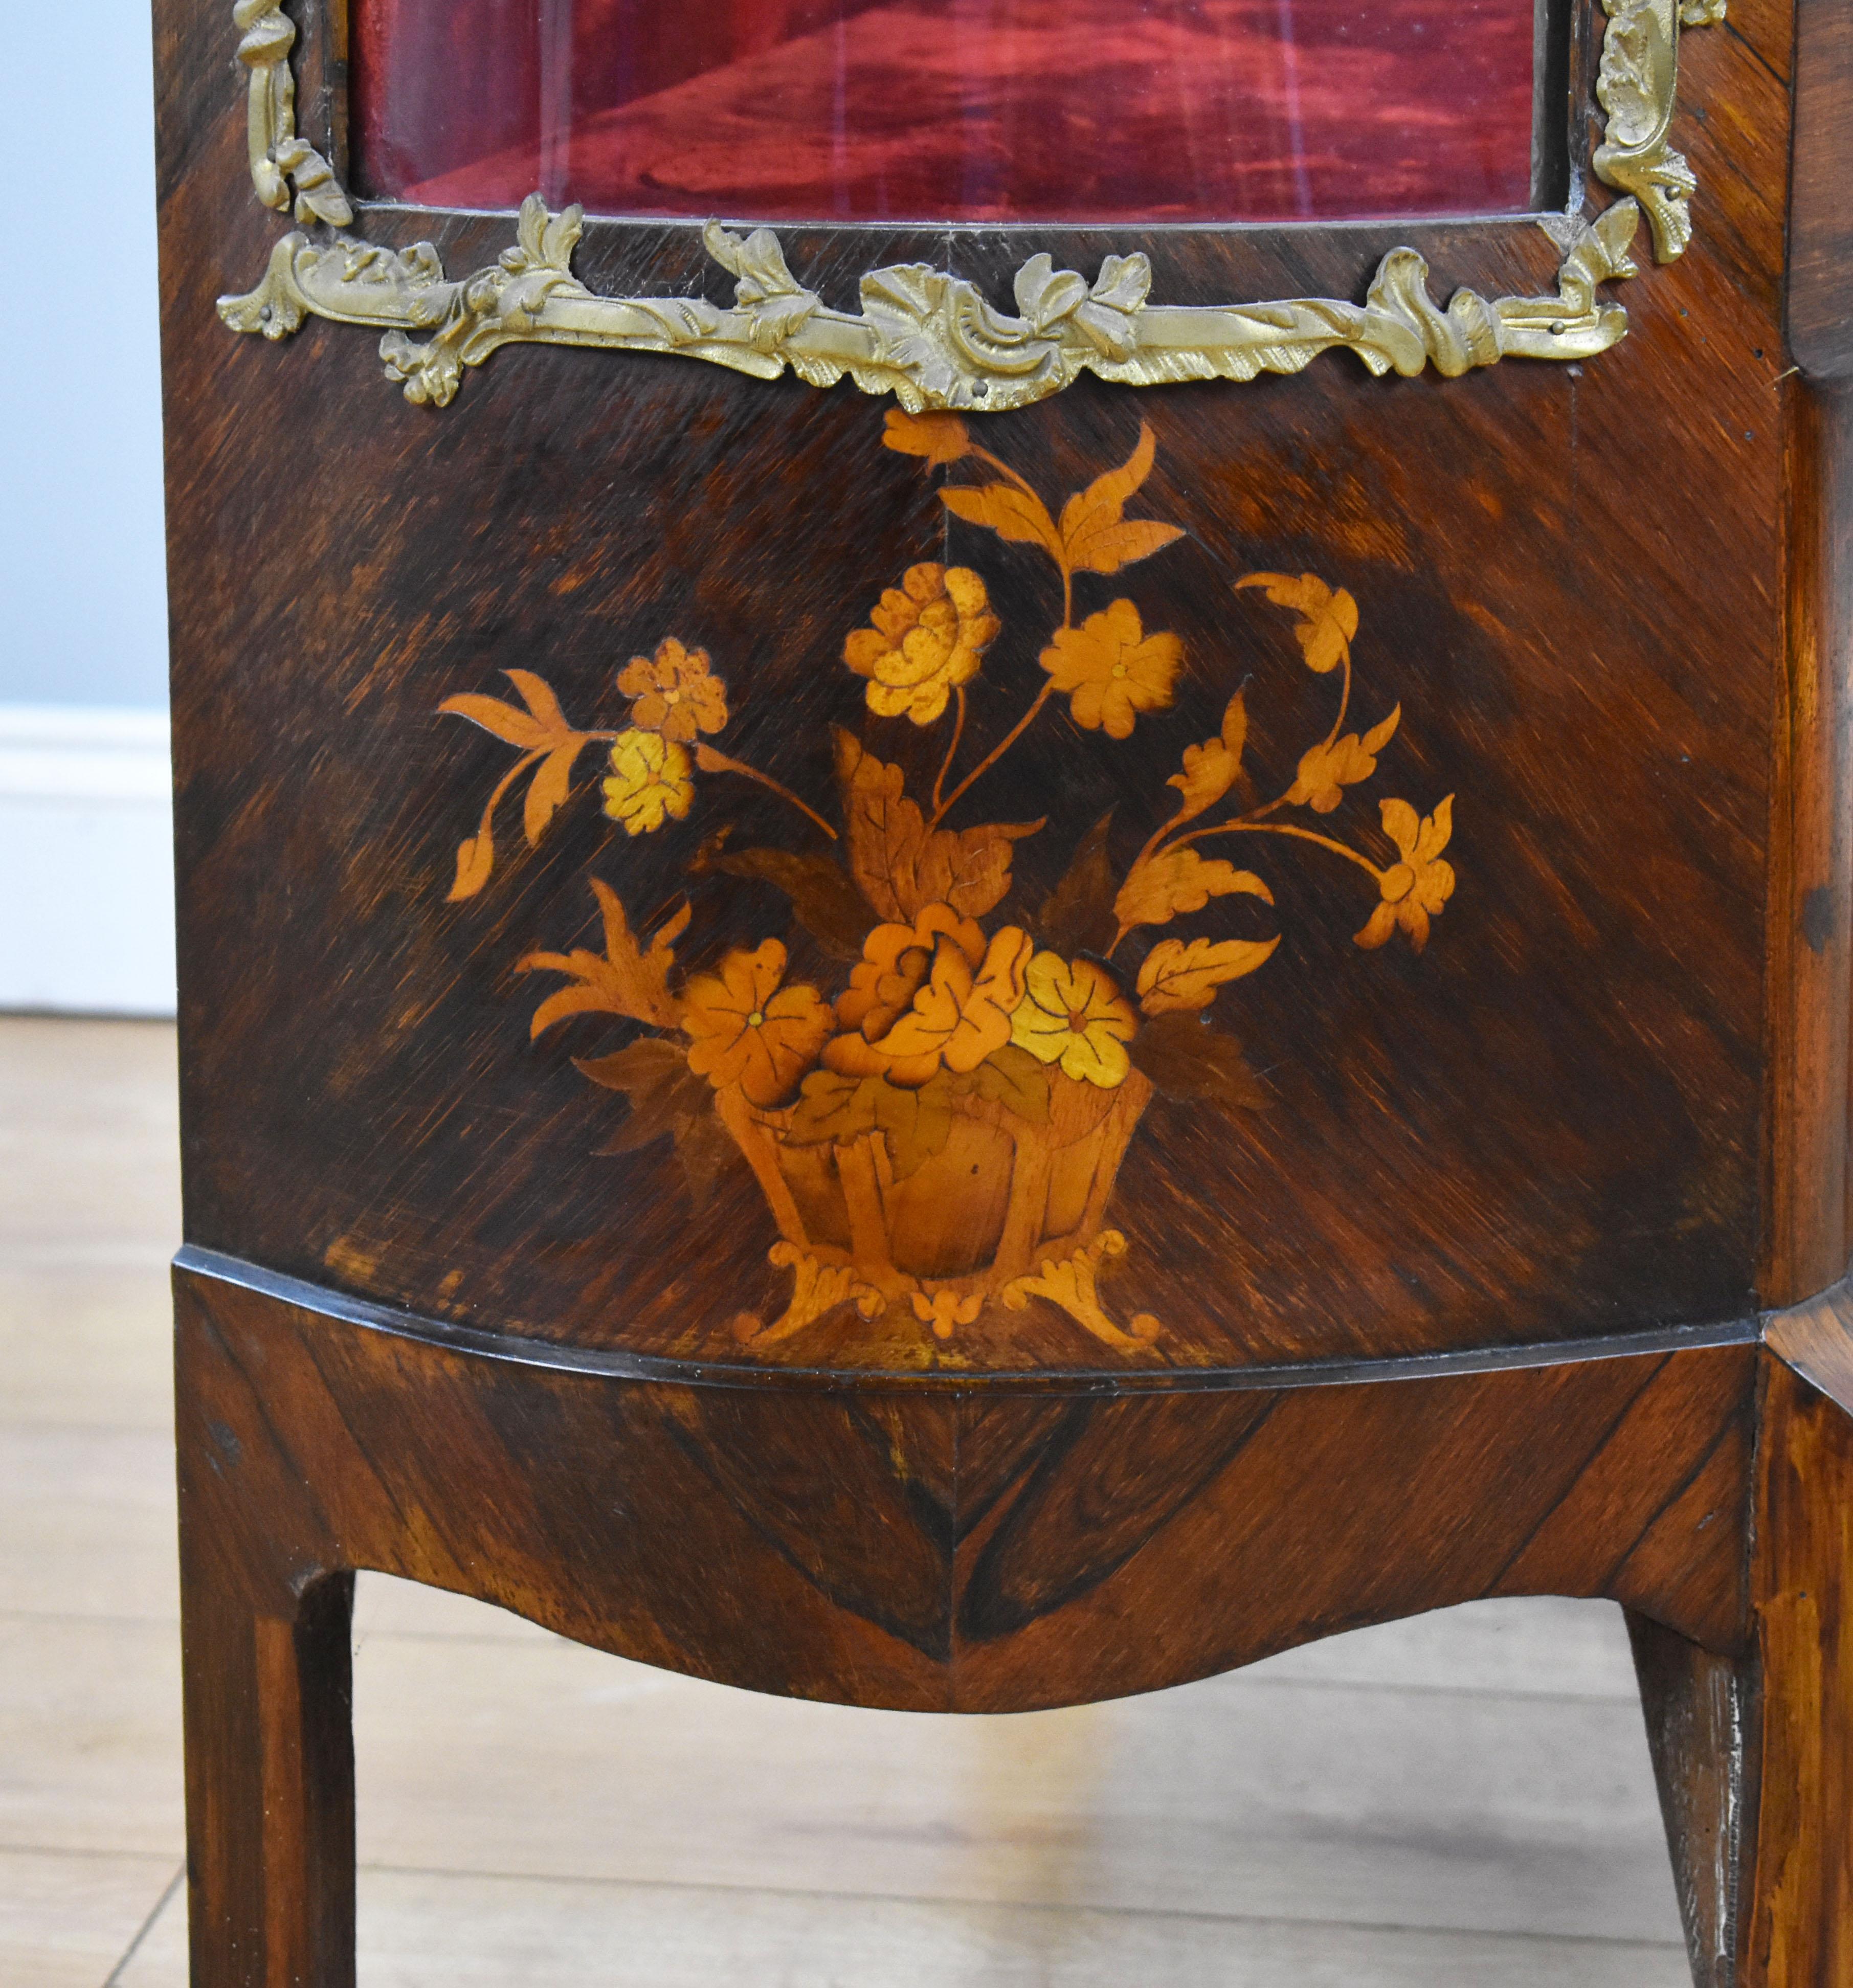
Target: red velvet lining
[{"x": 933, "y": 110}]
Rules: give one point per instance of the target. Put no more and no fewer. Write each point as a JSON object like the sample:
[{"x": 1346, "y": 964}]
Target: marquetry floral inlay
[{"x": 942, "y": 1128}]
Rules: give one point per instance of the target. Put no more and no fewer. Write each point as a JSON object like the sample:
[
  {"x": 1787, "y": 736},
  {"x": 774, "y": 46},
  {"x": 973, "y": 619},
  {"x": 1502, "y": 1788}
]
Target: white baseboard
[{"x": 86, "y": 880}]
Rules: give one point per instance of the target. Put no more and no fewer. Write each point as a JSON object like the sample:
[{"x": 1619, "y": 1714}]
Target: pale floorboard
[
  {"x": 425, "y": 1930},
  {"x": 89, "y": 1525},
  {"x": 67, "y": 1922},
  {"x": 87, "y": 1131},
  {"x": 1460, "y": 1801},
  {"x": 1278, "y": 1799},
  {"x": 86, "y": 1346},
  {"x": 89, "y": 1735}
]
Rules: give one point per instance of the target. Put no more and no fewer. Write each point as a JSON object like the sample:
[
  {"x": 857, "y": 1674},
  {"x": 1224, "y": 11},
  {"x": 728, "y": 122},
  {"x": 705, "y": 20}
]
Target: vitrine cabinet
[{"x": 1014, "y": 856}]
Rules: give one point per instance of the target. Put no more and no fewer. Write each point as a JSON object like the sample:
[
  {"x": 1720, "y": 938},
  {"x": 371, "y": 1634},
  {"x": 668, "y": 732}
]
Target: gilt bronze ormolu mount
[{"x": 930, "y": 337}]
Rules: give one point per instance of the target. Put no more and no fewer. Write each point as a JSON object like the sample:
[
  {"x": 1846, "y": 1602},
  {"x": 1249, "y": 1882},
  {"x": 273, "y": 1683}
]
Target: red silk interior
[{"x": 949, "y": 110}]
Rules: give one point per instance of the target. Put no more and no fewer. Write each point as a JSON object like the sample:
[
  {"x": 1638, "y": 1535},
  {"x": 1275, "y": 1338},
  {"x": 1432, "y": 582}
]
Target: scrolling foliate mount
[
  {"x": 930, "y": 338},
  {"x": 283, "y": 164}
]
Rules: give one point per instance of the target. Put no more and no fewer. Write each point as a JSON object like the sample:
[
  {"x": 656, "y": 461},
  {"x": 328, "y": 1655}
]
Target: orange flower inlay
[
  {"x": 1110, "y": 669},
  {"x": 1414, "y": 889},
  {"x": 676, "y": 692},
  {"x": 933, "y": 995},
  {"x": 747, "y": 1029}
]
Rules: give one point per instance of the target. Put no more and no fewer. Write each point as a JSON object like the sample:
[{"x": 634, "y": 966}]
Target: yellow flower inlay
[
  {"x": 928, "y": 636},
  {"x": 1072, "y": 1013},
  {"x": 651, "y": 779}
]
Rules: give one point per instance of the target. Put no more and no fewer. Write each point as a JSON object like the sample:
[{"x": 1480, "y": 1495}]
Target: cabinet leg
[
  {"x": 1695, "y": 1703},
  {"x": 268, "y": 1695},
  {"x": 1754, "y": 1755},
  {"x": 1798, "y": 1916}
]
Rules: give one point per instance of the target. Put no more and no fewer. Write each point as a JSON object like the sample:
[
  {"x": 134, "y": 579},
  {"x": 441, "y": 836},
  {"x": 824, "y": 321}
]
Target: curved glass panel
[{"x": 950, "y": 110}]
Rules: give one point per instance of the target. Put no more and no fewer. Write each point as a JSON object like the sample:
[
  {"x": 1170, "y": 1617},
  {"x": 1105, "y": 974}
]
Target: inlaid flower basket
[
  {"x": 944, "y": 1129},
  {"x": 1007, "y": 1207}
]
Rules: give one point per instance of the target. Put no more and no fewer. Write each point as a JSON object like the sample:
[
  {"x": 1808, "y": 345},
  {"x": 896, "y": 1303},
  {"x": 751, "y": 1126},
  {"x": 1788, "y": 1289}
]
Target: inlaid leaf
[
  {"x": 1379, "y": 735},
  {"x": 1077, "y": 916},
  {"x": 884, "y": 828},
  {"x": 626, "y": 981},
  {"x": 834, "y": 1110},
  {"x": 1096, "y": 536},
  {"x": 548, "y": 790},
  {"x": 475, "y": 860},
  {"x": 825, "y": 1112},
  {"x": 899, "y": 864},
  {"x": 1188, "y": 1060},
  {"x": 542, "y": 723},
  {"x": 823, "y": 899},
  {"x": 667, "y": 1100},
  {"x": 1019, "y": 515},
  {"x": 969, "y": 869},
  {"x": 511, "y": 726},
  {"x": 939, "y": 438},
  {"x": 540, "y": 700},
  {"x": 1179, "y": 880},
  {"x": 1328, "y": 617},
  {"x": 1177, "y": 976},
  {"x": 1210, "y": 770},
  {"x": 831, "y": 1110},
  {"x": 1013, "y": 1078},
  {"x": 1326, "y": 770},
  {"x": 540, "y": 730},
  {"x": 1107, "y": 548},
  {"x": 916, "y": 1124},
  {"x": 647, "y": 1071},
  {"x": 704, "y": 1150}
]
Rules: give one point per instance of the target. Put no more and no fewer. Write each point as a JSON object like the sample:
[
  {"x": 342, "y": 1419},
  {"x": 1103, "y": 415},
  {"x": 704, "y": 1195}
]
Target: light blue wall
[{"x": 82, "y": 597}]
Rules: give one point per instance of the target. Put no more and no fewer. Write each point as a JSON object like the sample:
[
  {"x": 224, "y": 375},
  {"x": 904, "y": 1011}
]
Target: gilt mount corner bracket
[
  {"x": 282, "y": 163},
  {"x": 1637, "y": 85},
  {"x": 931, "y": 338}
]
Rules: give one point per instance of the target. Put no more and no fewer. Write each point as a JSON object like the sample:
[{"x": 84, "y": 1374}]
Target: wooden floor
[{"x": 1462, "y": 1801}]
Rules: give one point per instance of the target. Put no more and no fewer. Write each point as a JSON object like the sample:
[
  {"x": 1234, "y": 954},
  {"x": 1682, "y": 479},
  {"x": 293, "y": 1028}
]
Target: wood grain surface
[
  {"x": 1695, "y": 1702},
  {"x": 1798, "y": 1910},
  {"x": 933, "y": 1548},
  {"x": 938, "y": 1549},
  {"x": 1820, "y": 238},
  {"x": 1548, "y": 1125},
  {"x": 1754, "y": 1749},
  {"x": 1807, "y": 1235}
]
